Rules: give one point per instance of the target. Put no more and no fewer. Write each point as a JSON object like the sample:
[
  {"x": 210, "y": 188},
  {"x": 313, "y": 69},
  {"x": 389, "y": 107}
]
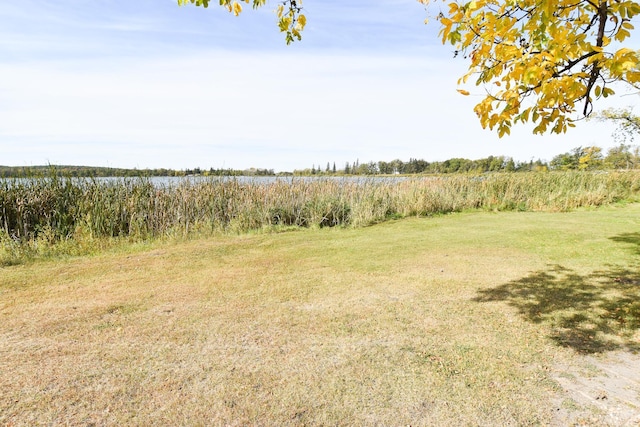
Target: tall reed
[{"x": 55, "y": 209}]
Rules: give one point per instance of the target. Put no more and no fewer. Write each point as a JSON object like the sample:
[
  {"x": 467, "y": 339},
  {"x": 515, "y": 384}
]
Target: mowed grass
[{"x": 450, "y": 320}]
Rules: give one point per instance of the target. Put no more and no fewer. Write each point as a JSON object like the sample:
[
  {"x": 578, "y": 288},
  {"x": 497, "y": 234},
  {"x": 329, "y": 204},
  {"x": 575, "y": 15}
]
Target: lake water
[
  {"x": 262, "y": 180},
  {"x": 172, "y": 181}
]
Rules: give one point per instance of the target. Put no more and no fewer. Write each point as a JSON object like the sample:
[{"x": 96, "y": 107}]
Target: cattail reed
[{"x": 60, "y": 209}]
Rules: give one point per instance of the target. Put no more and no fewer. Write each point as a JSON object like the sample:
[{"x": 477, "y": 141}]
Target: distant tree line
[
  {"x": 623, "y": 156},
  {"x": 419, "y": 166},
  {"x": 103, "y": 172},
  {"x": 224, "y": 172},
  {"x": 591, "y": 158}
]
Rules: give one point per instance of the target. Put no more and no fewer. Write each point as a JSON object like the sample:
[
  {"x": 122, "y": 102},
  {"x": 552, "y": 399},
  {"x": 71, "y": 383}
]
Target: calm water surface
[{"x": 172, "y": 181}]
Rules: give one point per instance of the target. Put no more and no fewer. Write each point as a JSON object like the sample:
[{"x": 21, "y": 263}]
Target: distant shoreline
[{"x": 104, "y": 172}]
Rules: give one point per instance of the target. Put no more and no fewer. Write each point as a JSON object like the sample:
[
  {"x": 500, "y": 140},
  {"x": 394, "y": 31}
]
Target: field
[{"x": 471, "y": 318}]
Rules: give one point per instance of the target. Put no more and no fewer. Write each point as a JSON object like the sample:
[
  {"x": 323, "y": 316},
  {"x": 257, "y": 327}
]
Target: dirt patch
[{"x": 601, "y": 390}]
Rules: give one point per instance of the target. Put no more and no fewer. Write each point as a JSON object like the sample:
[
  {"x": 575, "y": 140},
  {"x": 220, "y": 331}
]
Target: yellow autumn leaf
[
  {"x": 464, "y": 92},
  {"x": 302, "y": 21},
  {"x": 237, "y": 8},
  {"x": 628, "y": 65}
]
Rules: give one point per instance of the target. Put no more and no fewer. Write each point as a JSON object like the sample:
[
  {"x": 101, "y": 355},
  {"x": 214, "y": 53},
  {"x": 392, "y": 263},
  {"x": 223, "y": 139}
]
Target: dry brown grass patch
[{"x": 323, "y": 327}]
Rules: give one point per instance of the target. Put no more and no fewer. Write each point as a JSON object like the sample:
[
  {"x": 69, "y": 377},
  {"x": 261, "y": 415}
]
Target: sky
[{"x": 147, "y": 84}]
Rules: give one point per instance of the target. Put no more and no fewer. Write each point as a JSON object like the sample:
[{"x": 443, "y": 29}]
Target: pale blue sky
[{"x": 147, "y": 84}]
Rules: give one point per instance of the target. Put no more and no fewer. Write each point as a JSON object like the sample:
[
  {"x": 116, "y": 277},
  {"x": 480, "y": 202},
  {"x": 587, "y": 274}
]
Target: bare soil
[{"x": 599, "y": 390}]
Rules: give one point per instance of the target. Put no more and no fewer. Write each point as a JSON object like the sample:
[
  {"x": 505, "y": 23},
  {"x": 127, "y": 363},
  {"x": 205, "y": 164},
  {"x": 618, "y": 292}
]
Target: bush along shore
[{"x": 39, "y": 214}]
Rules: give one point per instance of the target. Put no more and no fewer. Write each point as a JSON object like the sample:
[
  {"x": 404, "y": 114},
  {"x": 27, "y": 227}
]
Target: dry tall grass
[{"x": 34, "y": 213}]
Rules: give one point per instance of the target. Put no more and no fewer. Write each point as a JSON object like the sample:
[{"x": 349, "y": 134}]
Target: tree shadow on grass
[
  {"x": 631, "y": 238},
  {"x": 590, "y": 313}
]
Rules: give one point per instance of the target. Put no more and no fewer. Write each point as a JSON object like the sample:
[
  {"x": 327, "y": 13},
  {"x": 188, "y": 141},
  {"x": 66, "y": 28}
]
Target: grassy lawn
[{"x": 450, "y": 320}]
